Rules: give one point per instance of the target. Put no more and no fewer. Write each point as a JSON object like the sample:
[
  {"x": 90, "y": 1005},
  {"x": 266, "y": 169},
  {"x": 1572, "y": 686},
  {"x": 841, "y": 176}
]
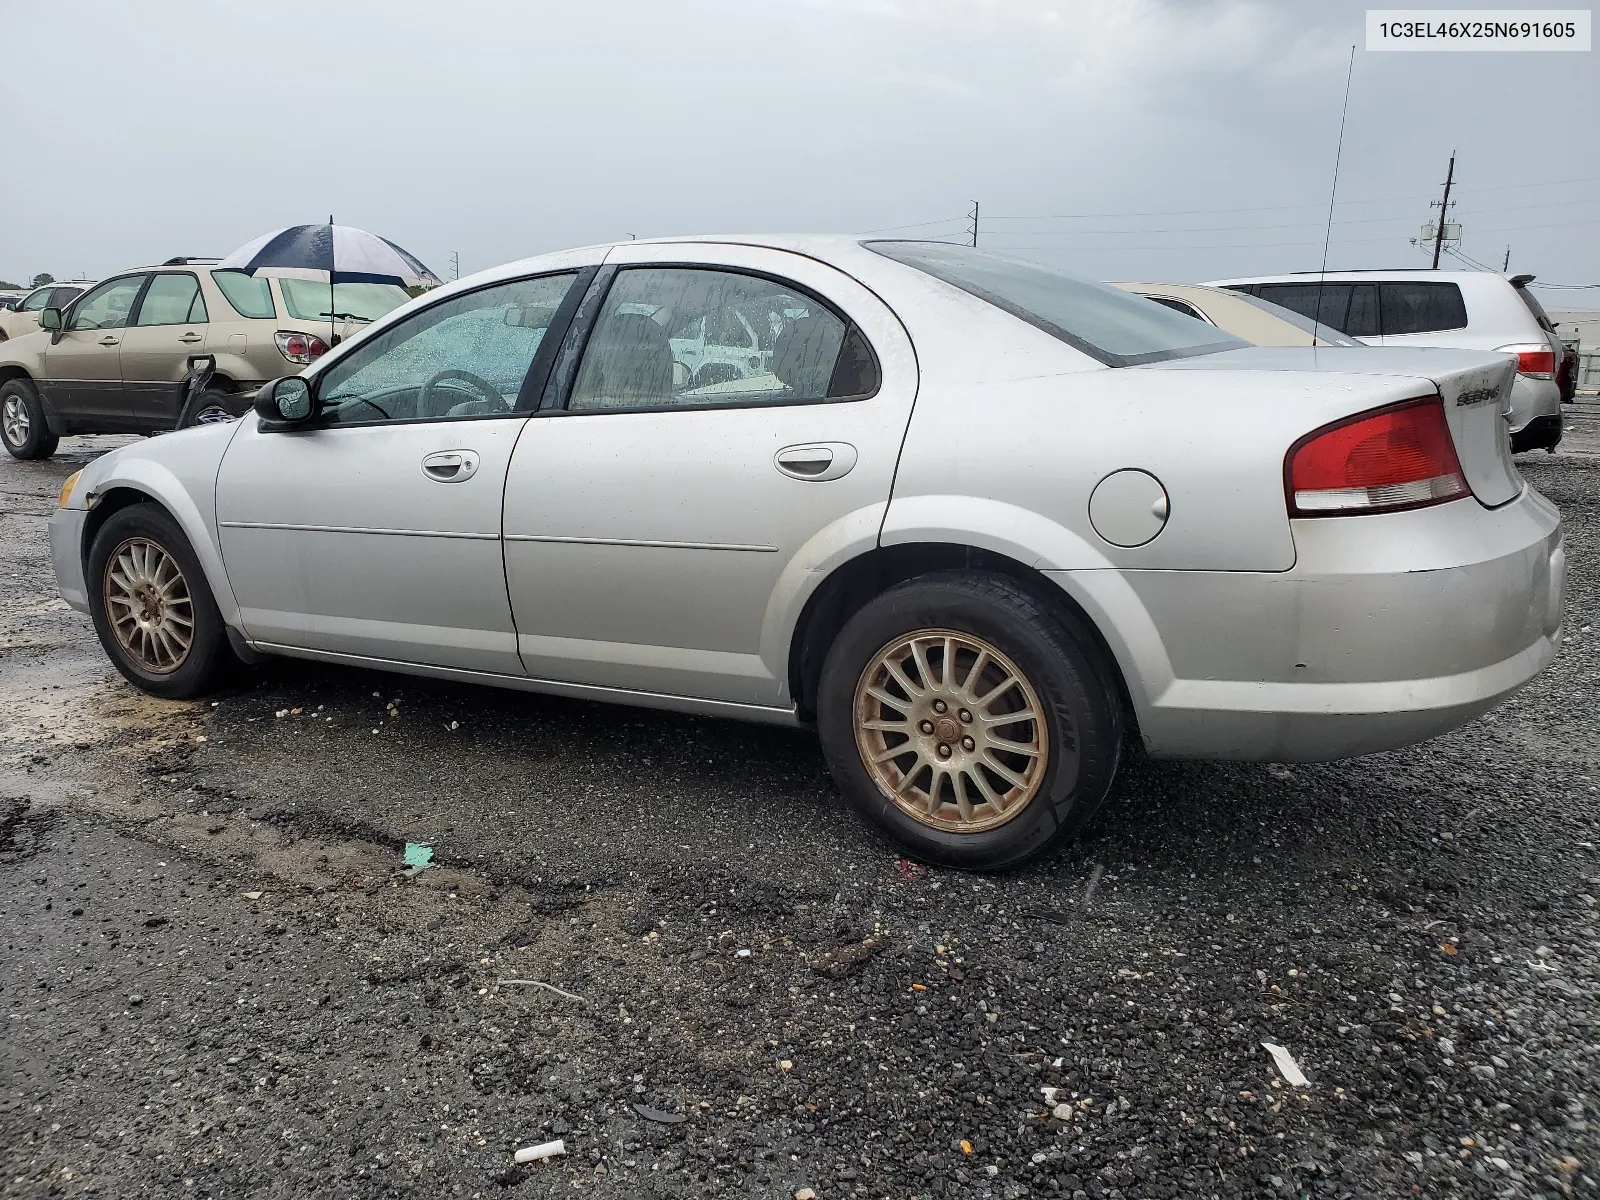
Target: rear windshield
[
  {"x": 1108, "y": 324},
  {"x": 1535, "y": 308},
  {"x": 307, "y": 300},
  {"x": 1325, "y": 332}
]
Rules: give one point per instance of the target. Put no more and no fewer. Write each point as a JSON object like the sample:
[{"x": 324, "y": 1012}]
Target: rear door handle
[
  {"x": 191, "y": 338},
  {"x": 817, "y": 462},
  {"x": 450, "y": 466}
]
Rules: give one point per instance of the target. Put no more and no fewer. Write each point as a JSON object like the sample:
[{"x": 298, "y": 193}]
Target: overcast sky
[{"x": 1131, "y": 140}]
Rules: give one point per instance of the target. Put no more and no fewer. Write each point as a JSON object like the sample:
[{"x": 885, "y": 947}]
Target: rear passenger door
[
  {"x": 169, "y": 327},
  {"x": 657, "y": 526}
]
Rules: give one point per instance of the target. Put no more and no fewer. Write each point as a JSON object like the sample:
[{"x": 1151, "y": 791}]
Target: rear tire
[
  {"x": 209, "y": 406},
  {"x": 957, "y": 795},
  {"x": 152, "y": 607},
  {"x": 23, "y": 427}
]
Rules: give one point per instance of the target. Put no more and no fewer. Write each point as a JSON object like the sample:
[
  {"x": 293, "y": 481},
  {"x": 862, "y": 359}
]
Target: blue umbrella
[{"x": 337, "y": 253}]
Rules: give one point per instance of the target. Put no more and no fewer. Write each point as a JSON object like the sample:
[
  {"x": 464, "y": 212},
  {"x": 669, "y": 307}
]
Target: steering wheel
[{"x": 491, "y": 393}]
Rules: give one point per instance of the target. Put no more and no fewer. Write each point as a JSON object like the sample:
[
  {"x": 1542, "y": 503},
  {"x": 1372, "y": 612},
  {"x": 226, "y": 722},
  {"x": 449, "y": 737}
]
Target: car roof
[{"x": 1393, "y": 273}]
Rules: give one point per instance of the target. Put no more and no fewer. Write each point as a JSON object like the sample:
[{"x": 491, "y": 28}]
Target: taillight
[
  {"x": 1394, "y": 458},
  {"x": 299, "y": 347},
  {"x": 1535, "y": 360}
]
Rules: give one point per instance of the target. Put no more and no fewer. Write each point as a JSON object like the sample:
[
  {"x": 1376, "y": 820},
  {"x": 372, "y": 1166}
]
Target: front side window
[
  {"x": 1325, "y": 303},
  {"x": 467, "y": 357},
  {"x": 307, "y": 300},
  {"x": 1421, "y": 307},
  {"x": 685, "y": 337},
  {"x": 1324, "y": 332},
  {"x": 1108, "y": 324},
  {"x": 37, "y": 301},
  {"x": 172, "y": 299},
  {"x": 107, "y": 306},
  {"x": 250, "y": 295},
  {"x": 1362, "y": 320}
]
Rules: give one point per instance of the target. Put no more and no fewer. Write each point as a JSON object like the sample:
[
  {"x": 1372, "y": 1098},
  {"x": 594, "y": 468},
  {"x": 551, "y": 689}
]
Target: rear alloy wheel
[
  {"x": 152, "y": 608},
  {"x": 967, "y": 721},
  {"x": 22, "y": 425},
  {"x": 208, "y": 408}
]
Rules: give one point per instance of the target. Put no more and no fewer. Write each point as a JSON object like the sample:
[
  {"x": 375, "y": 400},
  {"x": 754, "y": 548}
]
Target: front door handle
[
  {"x": 190, "y": 339},
  {"x": 108, "y": 340},
  {"x": 450, "y": 466},
  {"x": 817, "y": 462}
]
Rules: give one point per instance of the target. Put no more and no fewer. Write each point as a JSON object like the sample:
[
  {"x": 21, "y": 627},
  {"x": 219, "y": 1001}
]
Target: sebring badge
[{"x": 1477, "y": 395}]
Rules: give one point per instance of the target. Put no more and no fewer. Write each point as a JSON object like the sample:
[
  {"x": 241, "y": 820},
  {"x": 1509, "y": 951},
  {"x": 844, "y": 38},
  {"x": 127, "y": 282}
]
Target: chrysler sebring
[{"x": 977, "y": 521}]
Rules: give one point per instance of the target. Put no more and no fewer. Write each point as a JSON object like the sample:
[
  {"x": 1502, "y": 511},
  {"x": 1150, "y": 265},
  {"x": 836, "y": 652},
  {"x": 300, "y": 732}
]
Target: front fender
[{"x": 179, "y": 472}]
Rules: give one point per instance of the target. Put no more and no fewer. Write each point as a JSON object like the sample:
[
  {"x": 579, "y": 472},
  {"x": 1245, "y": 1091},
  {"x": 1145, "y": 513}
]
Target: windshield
[
  {"x": 307, "y": 300},
  {"x": 1326, "y": 333},
  {"x": 1106, "y": 323}
]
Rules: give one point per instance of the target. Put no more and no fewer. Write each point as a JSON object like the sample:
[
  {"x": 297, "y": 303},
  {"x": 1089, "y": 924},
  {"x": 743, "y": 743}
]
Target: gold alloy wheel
[
  {"x": 148, "y": 605},
  {"x": 951, "y": 730}
]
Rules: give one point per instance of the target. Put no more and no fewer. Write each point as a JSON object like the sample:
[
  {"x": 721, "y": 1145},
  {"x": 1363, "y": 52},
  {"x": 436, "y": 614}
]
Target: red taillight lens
[
  {"x": 299, "y": 347},
  {"x": 1399, "y": 457},
  {"x": 1538, "y": 361}
]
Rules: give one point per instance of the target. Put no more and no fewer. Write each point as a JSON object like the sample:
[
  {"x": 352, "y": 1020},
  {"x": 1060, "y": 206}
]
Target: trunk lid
[{"x": 1475, "y": 387}]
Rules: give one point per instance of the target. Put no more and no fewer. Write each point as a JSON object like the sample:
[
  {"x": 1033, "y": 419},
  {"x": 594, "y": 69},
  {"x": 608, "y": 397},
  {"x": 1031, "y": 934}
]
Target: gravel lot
[{"x": 215, "y": 983}]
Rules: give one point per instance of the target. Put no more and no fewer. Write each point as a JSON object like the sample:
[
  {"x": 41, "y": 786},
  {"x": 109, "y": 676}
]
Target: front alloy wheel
[
  {"x": 152, "y": 608},
  {"x": 952, "y": 730},
  {"x": 14, "y": 421},
  {"x": 149, "y": 607}
]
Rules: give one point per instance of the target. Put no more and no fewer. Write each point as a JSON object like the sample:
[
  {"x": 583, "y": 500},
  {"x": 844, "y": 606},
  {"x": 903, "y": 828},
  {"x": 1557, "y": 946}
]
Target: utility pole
[
  {"x": 1444, "y": 209},
  {"x": 455, "y": 264},
  {"x": 974, "y": 222}
]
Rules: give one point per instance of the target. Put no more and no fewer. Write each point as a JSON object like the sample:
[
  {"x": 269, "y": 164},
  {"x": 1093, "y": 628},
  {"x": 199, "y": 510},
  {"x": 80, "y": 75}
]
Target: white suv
[{"x": 1469, "y": 310}]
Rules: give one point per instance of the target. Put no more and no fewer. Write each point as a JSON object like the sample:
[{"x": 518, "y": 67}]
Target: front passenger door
[
  {"x": 83, "y": 367},
  {"x": 373, "y": 533}
]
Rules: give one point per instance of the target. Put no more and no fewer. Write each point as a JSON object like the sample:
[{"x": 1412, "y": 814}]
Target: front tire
[
  {"x": 152, "y": 607},
  {"x": 967, "y": 721},
  {"x": 23, "y": 427}
]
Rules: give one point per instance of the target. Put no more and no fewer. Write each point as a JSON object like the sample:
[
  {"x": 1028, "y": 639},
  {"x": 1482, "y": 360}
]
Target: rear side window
[
  {"x": 172, "y": 299},
  {"x": 38, "y": 301},
  {"x": 250, "y": 296},
  {"x": 1417, "y": 307},
  {"x": 1362, "y": 320},
  {"x": 1108, "y": 324},
  {"x": 692, "y": 337}
]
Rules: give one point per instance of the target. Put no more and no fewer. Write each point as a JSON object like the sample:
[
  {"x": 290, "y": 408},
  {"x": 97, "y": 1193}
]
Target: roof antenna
[{"x": 1327, "y": 237}]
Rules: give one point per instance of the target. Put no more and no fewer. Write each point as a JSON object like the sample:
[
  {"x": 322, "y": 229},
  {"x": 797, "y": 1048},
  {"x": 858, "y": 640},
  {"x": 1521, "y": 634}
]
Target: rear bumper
[
  {"x": 1541, "y": 433},
  {"x": 1532, "y": 399},
  {"x": 1388, "y": 630}
]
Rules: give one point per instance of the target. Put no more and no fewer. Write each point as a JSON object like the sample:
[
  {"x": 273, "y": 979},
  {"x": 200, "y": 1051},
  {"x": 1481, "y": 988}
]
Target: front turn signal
[{"x": 67, "y": 488}]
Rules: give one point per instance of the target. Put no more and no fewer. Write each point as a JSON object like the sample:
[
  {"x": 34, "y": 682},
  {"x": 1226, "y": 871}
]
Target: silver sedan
[{"x": 979, "y": 522}]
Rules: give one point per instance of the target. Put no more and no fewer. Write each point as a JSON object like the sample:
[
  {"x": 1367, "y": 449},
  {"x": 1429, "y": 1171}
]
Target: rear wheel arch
[{"x": 851, "y": 585}]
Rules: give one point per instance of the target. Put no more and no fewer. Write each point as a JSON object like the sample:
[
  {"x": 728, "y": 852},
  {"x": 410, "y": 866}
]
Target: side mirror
[
  {"x": 50, "y": 318},
  {"x": 284, "y": 403}
]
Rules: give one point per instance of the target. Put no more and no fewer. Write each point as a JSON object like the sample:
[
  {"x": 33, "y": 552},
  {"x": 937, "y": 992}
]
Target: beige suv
[
  {"x": 25, "y": 317},
  {"x": 122, "y": 357}
]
